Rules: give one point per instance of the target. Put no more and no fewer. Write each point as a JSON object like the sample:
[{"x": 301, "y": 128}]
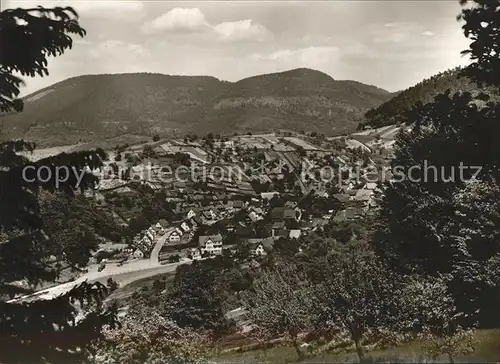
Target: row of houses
[
  {"x": 144, "y": 242},
  {"x": 212, "y": 245}
]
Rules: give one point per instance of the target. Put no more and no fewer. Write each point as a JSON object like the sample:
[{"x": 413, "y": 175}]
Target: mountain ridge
[{"x": 96, "y": 107}]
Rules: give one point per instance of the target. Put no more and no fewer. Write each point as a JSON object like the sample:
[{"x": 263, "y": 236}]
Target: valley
[{"x": 212, "y": 183}]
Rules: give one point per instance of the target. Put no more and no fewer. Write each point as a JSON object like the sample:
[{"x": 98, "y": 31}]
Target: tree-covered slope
[
  {"x": 94, "y": 107},
  {"x": 97, "y": 107},
  {"x": 393, "y": 110},
  {"x": 300, "y": 99}
]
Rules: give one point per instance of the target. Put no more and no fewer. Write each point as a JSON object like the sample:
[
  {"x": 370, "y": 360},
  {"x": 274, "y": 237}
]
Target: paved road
[
  {"x": 124, "y": 274},
  {"x": 159, "y": 244}
]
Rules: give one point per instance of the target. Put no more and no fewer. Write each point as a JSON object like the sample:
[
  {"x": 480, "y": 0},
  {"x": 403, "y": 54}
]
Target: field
[
  {"x": 38, "y": 154},
  {"x": 302, "y": 143},
  {"x": 122, "y": 294},
  {"x": 487, "y": 350}
]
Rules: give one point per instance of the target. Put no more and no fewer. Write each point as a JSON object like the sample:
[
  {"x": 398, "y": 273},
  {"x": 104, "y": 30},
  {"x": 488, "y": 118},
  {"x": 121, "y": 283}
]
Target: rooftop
[{"x": 202, "y": 240}]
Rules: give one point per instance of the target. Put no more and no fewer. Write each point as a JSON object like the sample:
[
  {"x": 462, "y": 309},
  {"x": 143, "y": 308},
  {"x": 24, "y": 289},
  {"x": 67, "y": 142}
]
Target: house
[
  {"x": 280, "y": 233},
  {"x": 283, "y": 213},
  {"x": 342, "y": 197},
  {"x": 211, "y": 244},
  {"x": 257, "y": 248},
  {"x": 146, "y": 241},
  {"x": 198, "y": 197},
  {"x": 277, "y": 226},
  {"x": 174, "y": 237},
  {"x": 237, "y": 204},
  {"x": 349, "y": 186},
  {"x": 352, "y": 213},
  {"x": 159, "y": 229},
  {"x": 260, "y": 247},
  {"x": 150, "y": 233},
  {"x": 220, "y": 209},
  {"x": 363, "y": 195},
  {"x": 230, "y": 226},
  {"x": 138, "y": 254},
  {"x": 195, "y": 254},
  {"x": 258, "y": 210},
  {"x": 219, "y": 195},
  {"x": 209, "y": 214},
  {"x": 254, "y": 216},
  {"x": 340, "y": 160},
  {"x": 191, "y": 214},
  {"x": 185, "y": 226},
  {"x": 195, "y": 221},
  {"x": 372, "y": 203},
  {"x": 295, "y": 233},
  {"x": 268, "y": 195}
]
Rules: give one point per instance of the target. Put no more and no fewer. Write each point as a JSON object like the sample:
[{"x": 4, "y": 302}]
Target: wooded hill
[{"x": 97, "y": 107}]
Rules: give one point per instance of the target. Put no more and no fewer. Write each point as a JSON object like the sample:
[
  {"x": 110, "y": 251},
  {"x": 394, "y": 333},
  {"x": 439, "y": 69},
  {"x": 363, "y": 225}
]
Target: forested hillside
[
  {"x": 392, "y": 111},
  {"x": 94, "y": 107},
  {"x": 97, "y": 107},
  {"x": 296, "y": 99}
]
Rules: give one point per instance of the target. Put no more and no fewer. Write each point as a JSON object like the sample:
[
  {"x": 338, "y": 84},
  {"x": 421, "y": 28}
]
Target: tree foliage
[
  {"x": 195, "y": 301},
  {"x": 482, "y": 27},
  {"x": 441, "y": 218},
  {"x": 147, "y": 337},
  {"x": 281, "y": 303},
  {"x": 38, "y": 330},
  {"x": 427, "y": 307},
  {"x": 28, "y": 38},
  {"x": 357, "y": 293}
]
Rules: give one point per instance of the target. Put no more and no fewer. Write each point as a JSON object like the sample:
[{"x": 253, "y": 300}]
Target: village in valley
[{"x": 245, "y": 191}]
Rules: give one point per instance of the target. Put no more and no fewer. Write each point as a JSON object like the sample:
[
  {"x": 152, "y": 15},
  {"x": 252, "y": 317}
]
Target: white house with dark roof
[
  {"x": 211, "y": 244},
  {"x": 195, "y": 254},
  {"x": 159, "y": 228},
  {"x": 174, "y": 237},
  {"x": 260, "y": 247},
  {"x": 138, "y": 254},
  {"x": 209, "y": 214},
  {"x": 185, "y": 226}
]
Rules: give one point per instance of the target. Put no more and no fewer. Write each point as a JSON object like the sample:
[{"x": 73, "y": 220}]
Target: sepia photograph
[{"x": 237, "y": 181}]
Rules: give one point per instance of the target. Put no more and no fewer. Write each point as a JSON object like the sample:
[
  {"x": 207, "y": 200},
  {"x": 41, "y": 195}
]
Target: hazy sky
[{"x": 391, "y": 44}]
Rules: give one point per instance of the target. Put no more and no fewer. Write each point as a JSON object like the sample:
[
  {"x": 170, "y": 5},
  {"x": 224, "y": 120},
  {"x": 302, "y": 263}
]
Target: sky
[{"x": 390, "y": 44}]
